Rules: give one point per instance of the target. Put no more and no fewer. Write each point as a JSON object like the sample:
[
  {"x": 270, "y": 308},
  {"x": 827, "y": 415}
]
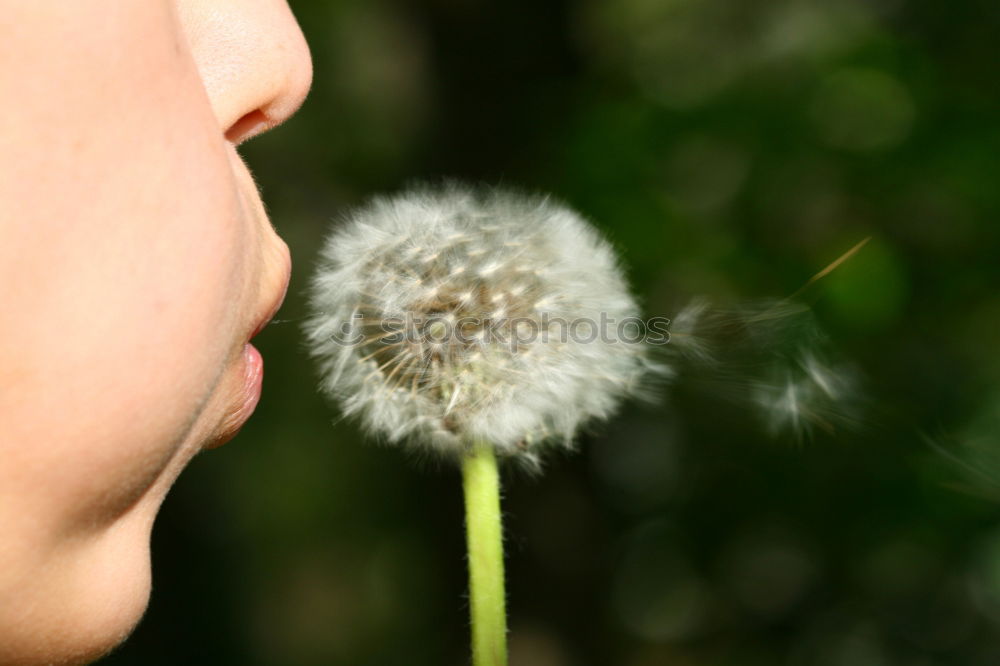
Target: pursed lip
[{"x": 251, "y": 364}]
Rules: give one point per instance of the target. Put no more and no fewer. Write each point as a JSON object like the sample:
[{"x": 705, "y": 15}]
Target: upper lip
[{"x": 276, "y": 298}]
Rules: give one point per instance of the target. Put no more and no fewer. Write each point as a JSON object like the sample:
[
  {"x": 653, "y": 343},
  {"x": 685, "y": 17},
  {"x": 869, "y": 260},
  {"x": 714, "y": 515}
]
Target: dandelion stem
[{"x": 487, "y": 603}]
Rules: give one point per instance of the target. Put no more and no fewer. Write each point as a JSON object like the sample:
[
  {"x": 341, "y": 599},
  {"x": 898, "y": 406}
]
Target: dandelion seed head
[{"x": 433, "y": 321}]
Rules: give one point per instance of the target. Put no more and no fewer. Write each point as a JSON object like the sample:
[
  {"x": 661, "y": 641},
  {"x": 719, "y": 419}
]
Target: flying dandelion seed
[
  {"x": 771, "y": 357},
  {"x": 448, "y": 316}
]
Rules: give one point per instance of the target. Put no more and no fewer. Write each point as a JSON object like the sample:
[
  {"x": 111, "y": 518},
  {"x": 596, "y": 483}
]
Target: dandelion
[
  {"x": 447, "y": 318},
  {"x": 476, "y": 325}
]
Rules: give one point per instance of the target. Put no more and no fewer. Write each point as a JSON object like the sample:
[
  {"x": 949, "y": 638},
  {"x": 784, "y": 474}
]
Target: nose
[{"x": 253, "y": 61}]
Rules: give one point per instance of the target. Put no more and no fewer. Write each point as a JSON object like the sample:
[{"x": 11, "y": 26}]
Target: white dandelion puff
[{"x": 448, "y": 316}]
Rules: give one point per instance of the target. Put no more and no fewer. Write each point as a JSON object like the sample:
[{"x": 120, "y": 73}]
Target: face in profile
[{"x": 139, "y": 263}]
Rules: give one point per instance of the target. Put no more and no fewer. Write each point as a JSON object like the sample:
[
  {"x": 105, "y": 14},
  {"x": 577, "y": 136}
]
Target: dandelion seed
[
  {"x": 772, "y": 356},
  {"x": 809, "y": 394}
]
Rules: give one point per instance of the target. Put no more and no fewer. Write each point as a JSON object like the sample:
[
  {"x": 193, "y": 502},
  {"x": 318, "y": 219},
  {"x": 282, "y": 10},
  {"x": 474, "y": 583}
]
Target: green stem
[{"x": 487, "y": 603}]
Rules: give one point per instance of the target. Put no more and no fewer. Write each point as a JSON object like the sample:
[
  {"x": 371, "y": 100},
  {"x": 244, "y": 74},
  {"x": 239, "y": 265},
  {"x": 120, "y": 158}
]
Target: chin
[
  {"x": 93, "y": 596},
  {"x": 109, "y": 626}
]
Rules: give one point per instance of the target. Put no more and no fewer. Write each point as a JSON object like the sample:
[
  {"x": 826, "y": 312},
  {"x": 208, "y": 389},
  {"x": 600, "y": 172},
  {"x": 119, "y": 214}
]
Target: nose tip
[
  {"x": 253, "y": 60},
  {"x": 281, "y": 86}
]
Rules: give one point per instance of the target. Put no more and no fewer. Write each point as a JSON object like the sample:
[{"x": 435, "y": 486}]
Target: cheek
[
  {"x": 162, "y": 308},
  {"x": 125, "y": 338}
]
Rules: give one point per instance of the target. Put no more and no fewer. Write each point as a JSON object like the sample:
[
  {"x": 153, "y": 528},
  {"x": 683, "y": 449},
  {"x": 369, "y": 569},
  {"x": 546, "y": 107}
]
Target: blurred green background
[{"x": 730, "y": 150}]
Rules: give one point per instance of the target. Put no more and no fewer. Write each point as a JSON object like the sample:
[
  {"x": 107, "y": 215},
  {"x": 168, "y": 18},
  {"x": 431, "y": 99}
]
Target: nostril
[{"x": 250, "y": 125}]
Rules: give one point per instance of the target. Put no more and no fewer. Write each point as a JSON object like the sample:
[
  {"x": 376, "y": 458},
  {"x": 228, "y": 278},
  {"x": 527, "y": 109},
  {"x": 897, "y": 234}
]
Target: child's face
[{"x": 136, "y": 261}]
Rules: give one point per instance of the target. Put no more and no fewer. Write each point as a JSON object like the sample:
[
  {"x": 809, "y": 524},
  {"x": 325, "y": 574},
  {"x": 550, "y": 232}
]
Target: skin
[{"x": 136, "y": 261}]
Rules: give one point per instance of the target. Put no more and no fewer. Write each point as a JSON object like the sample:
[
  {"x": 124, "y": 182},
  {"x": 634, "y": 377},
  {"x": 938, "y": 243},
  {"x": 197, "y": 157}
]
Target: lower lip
[
  {"x": 249, "y": 396},
  {"x": 253, "y": 381}
]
